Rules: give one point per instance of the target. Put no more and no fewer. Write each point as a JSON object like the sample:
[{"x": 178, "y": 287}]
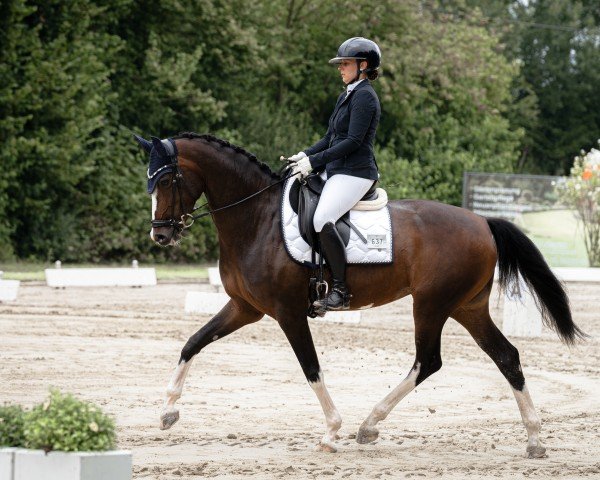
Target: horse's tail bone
[{"x": 518, "y": 254}]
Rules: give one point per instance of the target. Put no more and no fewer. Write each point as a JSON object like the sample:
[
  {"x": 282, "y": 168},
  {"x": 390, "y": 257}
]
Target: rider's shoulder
[{"x": 365, "y": 94}]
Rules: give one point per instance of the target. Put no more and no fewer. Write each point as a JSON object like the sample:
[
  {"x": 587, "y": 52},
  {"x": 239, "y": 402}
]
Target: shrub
[
  {"x": 65, "y": 423},
  {"x": 11, "y": 426},
  {"x": 581, "y": 191}
]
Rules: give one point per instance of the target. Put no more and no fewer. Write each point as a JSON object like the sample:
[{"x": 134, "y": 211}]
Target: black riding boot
[{"x": 334, "y": 251}]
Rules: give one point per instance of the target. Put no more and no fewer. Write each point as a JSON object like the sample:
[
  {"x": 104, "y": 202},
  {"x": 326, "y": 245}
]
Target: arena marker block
[
  {"x": 340, "y": 317},
  {"x": 214, "y": 277},
  {"x": 9, "y": 290},
  {"x": 521, "y": 316},
  {"x": 572, "y": 274},
  {"x": 100, "y": 277},
  {"x": 205, "y": 302}
]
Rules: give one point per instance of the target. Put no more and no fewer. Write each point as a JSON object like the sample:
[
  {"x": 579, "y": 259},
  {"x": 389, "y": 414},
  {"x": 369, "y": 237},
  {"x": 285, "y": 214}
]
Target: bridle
[{"x": 187, "y": 219}]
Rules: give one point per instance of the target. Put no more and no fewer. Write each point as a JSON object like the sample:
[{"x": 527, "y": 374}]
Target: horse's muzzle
[{"x": 165, "y": 236}]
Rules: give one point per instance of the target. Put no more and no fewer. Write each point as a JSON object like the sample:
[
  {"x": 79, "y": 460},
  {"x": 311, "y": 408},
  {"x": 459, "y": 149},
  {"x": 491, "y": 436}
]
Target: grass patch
[
  {"x": 34, "y": 272},
  {"x": 181, "y": 272},
  {"x": 24, "y": 271}
]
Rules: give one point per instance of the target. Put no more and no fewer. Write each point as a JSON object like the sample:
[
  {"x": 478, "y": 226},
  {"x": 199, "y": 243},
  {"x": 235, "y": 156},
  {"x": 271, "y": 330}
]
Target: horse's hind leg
[
  {"x": 480, "y": 325},
  {"x": 232, "y": 316},
  {"x": 428, "y": 331}
]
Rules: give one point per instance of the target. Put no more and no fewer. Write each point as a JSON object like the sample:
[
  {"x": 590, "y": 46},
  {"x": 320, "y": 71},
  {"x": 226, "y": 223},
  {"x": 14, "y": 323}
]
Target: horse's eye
[{"x": 165, "y": 181}]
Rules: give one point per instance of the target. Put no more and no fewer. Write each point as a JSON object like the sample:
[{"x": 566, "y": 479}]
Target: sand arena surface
[{"x": 247, "y": 411}]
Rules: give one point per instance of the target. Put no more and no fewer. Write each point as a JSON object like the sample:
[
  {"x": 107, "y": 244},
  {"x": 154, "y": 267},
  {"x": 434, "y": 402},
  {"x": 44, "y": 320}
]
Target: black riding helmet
[{"x": 359, "y": 48}]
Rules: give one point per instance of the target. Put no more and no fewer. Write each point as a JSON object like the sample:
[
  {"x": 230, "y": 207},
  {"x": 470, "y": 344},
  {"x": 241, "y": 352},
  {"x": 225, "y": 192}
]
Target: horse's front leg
[
  {"x": 296, "y": 329},
  {"x": 235, "y": 314}
]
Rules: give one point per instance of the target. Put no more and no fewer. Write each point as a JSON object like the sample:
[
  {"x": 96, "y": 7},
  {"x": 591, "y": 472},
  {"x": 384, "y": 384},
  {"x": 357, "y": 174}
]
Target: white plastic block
[
  {"x": 521, "y": 316},
  {"x": 204, "y": 302},
  {"x": 568, "y": 274},
  {"x": 100, "y": 277},
  {"x": 9, "y": 290},
  {"x": 341, "y": 317},
  {"x": 214, "y": 277},
  {"x": 37, "y": 465}
]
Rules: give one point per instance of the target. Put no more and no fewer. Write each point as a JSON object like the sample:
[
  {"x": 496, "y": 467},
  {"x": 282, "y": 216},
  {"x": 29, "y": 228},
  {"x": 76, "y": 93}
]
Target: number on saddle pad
[{"x": 377, "y": 241}]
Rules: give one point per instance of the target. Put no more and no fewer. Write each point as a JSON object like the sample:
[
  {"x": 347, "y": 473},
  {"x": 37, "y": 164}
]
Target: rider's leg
[
  {"x": 340, "y": 194},
  {"x": 334, "y": 251}
]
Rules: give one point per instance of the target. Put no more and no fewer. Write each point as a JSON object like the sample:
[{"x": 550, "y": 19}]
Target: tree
[
  {"x": 445, "y": 95},
  {"x": 556, "y": 44},
  {"x": 562, "y": 65},
  {"x": 59, "y": 95},
  {"x": 16, "y": 42}
]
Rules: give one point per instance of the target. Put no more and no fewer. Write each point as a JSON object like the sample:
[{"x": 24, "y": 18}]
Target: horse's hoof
[
  {"x": 327, "y": 447},
  {"x": 168, "y": 419},
  {"x": 536, "y": 451},
  {"x": 367, "y": 435}
]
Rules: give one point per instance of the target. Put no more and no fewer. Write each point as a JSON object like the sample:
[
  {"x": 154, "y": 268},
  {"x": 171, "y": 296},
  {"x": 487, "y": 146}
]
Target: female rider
[{"x": 346, "y": 155}]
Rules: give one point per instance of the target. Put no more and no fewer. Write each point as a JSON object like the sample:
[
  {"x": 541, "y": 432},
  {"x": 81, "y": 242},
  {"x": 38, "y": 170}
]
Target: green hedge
[
  {"x": 62, "y": 422},
  {"x": 12, "y": 418}
]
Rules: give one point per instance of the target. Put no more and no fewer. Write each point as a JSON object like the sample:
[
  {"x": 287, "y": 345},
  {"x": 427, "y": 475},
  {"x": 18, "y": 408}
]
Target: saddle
[{"x": 304, "y": 198}]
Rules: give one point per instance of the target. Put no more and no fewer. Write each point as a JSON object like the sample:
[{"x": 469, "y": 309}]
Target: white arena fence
[
  {"x": 521, "y": 317},
  {"x": 100, "y": 277},
  {"x": 9, "y": 289}
]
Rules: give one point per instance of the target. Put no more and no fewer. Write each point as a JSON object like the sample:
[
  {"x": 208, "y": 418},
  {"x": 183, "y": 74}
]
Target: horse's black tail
[{"x": 518, "y": 254}]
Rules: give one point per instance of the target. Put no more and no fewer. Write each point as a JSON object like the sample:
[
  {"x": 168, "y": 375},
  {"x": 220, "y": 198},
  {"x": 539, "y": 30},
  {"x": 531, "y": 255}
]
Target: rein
[{"x": 188, "y": 219}]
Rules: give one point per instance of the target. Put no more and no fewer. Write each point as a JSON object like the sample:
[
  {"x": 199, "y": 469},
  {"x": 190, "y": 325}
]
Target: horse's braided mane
[{"x": 211, "y": 138}]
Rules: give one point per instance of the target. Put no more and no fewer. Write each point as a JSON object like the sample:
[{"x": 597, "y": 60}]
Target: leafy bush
[
  {"x": 65, "y": 423},
  {"x": 581, "y": 191},
  {"x": 11, "y": 426}
]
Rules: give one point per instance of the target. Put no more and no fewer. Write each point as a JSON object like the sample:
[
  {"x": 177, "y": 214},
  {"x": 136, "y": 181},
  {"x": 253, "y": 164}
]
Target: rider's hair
[{"x": 373, "y": 75}]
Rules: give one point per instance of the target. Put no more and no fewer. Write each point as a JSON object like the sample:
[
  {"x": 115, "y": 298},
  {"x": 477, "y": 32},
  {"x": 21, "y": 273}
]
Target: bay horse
[{"x": 444, "y": 256}]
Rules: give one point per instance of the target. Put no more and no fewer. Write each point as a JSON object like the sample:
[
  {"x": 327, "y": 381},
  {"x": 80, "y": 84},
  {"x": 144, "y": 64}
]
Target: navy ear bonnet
[{"x": 163, "y": 158}]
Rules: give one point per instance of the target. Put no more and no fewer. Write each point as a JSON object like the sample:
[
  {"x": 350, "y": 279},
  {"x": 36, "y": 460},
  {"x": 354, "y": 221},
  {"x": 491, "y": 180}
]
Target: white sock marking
[
  {"x": 176, "y": 384},
  {"x": 383, "y": 408},
  {"x": 528, "y": 414},
  {"x": 332, "y": 416}
]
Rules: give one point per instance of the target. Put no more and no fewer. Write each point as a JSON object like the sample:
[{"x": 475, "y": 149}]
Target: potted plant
[
  {"x": 11, "y": 437},
  {"x": 64, "y": 438}
]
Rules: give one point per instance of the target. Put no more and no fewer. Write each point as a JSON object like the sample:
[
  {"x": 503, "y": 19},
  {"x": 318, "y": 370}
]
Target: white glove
[
  {"x": 302, "y": 167},
  {"x": 298, "y": 156}
]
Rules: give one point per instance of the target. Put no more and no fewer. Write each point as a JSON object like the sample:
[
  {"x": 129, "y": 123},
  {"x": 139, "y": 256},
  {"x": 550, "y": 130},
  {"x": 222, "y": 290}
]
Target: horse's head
[{"x": 171, "y": 199}]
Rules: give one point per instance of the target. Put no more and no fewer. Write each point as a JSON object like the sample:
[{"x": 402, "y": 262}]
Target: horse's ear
[
  {"x": 145, "y": 144},
  {"x": 160, "y": 148}
]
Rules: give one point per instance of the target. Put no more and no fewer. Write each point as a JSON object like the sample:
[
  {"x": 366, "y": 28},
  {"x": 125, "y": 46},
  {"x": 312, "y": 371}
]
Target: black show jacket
[{"x": 347, "y": 147}]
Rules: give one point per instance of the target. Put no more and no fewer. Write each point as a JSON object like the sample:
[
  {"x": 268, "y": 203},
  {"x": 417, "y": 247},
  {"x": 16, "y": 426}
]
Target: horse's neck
[{"x": 228, "y": 180}]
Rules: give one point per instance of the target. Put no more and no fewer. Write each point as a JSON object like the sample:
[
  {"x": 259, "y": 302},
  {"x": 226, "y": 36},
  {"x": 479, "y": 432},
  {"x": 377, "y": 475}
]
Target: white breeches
[{"x": 340, "y": 194}]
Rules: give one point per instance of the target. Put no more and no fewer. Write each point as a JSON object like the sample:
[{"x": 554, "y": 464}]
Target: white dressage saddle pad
[{"x": 375, "y": 226}]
